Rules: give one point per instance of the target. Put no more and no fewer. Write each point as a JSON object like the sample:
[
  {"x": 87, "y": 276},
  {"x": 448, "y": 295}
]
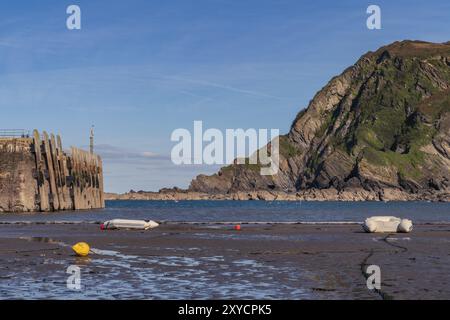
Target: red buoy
[{"x": 237, "y": 227}]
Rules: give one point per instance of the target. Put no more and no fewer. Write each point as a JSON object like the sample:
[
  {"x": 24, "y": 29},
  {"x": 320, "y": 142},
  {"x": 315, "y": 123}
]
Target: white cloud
[{"x": 112, "y": 153}]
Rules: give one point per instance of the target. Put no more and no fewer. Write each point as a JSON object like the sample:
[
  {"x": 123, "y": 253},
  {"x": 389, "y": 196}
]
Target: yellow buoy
[{"x": 81, "y": 249}]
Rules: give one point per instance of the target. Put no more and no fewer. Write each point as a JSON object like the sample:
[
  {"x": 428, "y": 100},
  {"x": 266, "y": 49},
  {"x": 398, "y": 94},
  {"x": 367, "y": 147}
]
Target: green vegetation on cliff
[{"x": 382, "y": 123}]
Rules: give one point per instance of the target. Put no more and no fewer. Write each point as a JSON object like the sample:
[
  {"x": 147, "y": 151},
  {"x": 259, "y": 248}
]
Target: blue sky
[{"x": 140, "y": 69}]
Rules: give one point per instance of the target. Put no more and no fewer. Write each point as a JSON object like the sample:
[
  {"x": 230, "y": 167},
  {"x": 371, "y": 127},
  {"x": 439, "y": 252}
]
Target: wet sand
[{"x": 195, "y": 261}]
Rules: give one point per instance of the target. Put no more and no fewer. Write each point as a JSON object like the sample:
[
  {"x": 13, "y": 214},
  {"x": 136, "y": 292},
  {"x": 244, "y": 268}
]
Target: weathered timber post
[
  {"x": 100, "y": 181},
  {"x": 57, "y": 171},
  {"x": 51, "y": 172},
  {"x": 64, "y": 173},
  {"x": 75, "y": 180},
  {"x": 42, "y": 188}
]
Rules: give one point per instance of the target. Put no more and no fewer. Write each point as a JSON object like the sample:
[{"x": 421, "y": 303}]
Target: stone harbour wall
[{"x": 37, "y": 175}]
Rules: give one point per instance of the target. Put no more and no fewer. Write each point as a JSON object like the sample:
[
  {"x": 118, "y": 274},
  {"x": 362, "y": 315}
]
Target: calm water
[{"x": 246, "y": 211}]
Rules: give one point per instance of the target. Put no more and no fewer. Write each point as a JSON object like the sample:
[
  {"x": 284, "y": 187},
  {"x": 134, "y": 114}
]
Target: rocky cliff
[{"x": 380, "y": 130}]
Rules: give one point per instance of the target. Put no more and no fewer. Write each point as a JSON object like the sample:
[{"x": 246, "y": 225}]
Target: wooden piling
[
  {"x": 51, "y": 172},
  {"x": 40, "y": 175},
  {"x": 100, "y": 182},
  {"x": 64, "y": 174},
  {"x": 65, "y": 181}
]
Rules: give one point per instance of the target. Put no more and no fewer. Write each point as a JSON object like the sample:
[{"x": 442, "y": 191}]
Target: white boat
[
  {"x": 387, "y": 224},
  {"x": 129, "y": 224}
]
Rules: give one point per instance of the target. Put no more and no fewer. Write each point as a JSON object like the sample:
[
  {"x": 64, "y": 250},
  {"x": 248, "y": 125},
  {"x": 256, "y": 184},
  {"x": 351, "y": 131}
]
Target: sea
[{"x": 245, "y": 212}]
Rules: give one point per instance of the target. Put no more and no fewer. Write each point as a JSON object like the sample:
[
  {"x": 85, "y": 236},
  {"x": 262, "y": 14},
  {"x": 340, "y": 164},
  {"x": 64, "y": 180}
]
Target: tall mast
[{"x": 91, "y": 140}]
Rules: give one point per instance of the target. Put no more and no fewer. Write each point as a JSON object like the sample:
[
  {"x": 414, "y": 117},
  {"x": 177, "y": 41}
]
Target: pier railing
[{"x": 14, "y": 133}]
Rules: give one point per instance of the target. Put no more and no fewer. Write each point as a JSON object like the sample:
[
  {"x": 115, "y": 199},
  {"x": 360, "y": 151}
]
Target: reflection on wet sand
[{"x": 199, "y": 262}]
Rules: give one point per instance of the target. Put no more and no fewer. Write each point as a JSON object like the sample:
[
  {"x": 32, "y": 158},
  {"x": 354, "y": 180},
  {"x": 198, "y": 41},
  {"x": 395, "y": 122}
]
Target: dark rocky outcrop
[{"x": 381, "y": 128}]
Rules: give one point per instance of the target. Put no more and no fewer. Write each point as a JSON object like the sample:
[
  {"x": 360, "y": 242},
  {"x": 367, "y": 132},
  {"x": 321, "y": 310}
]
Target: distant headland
[{"x": 378, "y": 131}]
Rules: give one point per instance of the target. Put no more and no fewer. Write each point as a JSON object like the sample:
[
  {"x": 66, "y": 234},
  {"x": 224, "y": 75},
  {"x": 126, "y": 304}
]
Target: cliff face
[{"x": 383, "y": 124}]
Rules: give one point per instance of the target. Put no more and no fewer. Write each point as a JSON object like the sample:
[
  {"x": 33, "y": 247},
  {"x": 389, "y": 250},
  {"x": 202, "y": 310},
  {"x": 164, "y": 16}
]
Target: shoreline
[
  {"x": 218, "y": 223},
  {"x": 179, "y": 261},
  {"x": 350, "y": 195}
]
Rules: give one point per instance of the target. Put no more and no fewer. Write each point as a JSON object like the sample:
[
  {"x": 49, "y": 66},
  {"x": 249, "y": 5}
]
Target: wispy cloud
[
  {"x": 113, "y": 153},
  {"x": 224, "y": 87}
]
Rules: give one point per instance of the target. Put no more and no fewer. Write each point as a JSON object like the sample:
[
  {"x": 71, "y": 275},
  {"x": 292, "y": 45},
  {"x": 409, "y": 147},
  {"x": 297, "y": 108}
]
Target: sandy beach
[{"x": 213, "y": 261}]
